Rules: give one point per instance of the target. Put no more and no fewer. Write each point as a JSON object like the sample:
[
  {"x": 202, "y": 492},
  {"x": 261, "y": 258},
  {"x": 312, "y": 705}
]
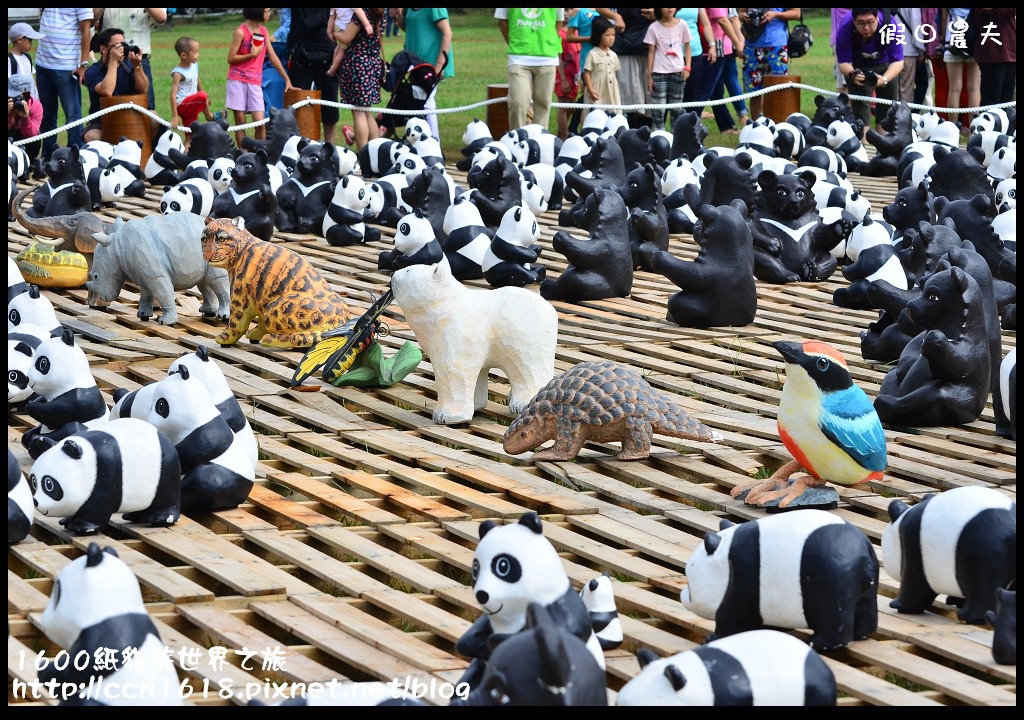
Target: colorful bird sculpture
[{"x": 826, "y": 422}]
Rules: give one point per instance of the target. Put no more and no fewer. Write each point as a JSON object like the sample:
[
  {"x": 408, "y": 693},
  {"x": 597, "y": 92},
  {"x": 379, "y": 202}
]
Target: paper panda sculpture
[
  {"x": 96, "y": 608},
  {"x": 822, "y": 570},
  {"x": 202, "y": 367},
  {"x": 16, "y": 284},
  {"x": 550, "y": 181},
  {"x": 289, "y": 155},
  {"x": 105, "y": 186},
  {"x": 30, "y": 307},
  {"x": 515, "y": 565},
  {"x": 788, "y": 140},
  {"x": 167, "y": 161},
  {"x": 844, "y": 139},
  {"x": 961, "y": 542},
  {"x": 1004, "y": 163},
  {"x": 823, "y": 157},
  {"x": 127, "y": 467},
  {"x": 128, "y": 154},
  {"x": 599, "y": 599},
  {"x": 345, "y": 220},
  {"x": 217, "y": 470},
  {"x": 676, "y": 178},
  {"x": 378, "y": 156},
  {"x": 1004, "y": 397},
  {"x": 511, "y": 258},
  {"x": 195, "y": 196},
  {"x": 874, "y": 258},
  {"x": 134, "y": 403},
  {"x": 543, "y": 664},
  {"x": 18, "y": 161},
  {"x": 476, "y": 135},
  {"x": 196, "y": 169},
  {"x": 416, "y": 128},
  {"x": 466, "y": 239},
  {"x": 386, "y": 199},
  {"x": 757, "y": 667},
  {"x": 20, "y": 510},
  {"x": 220, "y": 173},
  {"x": 415, "y": 244},
  {"x": 21, "y": 349},
  {"x": 67, "y": 397}
]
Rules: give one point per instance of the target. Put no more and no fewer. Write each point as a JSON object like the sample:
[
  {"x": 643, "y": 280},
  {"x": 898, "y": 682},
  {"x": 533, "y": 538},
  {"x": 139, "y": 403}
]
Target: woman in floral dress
[{"x": 359, "y": 77}]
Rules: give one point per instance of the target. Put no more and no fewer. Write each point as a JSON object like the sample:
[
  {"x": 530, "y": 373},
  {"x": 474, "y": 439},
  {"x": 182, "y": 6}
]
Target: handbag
[{"x": 800, "y": 40}]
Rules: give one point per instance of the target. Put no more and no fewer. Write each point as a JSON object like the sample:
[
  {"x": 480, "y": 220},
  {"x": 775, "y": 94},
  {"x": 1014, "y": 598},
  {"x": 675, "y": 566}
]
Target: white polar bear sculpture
[{"x": 467, "y": 331}]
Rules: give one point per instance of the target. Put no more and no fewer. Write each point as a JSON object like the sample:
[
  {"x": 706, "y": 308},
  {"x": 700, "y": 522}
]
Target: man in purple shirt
[{"x": 868, "y": 63}]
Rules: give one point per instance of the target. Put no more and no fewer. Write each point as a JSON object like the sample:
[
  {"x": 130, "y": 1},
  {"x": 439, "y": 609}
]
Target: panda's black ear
[
  {"x": 711, "y": 542},
  {"x": 72, "y": 449},
  {"x": 675, "y": 677},
  {"x": 40, "y": 444},
  {"x": 485, "y": 527},
  {"x": 645, "y": 656},
  {"x": 723, "y": 524},
  {"x": 532, "y": 521},
  {"x": 897, "y": 508},
  {"x": 202, "y": 353},
  {"x": 111, "y": 551},
  {"x": 94, "y": 555},
  {"x": 183, "y": 371},
  {"x": 68, "y": 337}
]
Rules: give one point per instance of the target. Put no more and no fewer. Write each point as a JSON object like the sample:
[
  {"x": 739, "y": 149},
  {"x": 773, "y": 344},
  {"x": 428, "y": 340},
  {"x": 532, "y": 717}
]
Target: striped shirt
[{"x": 62, "y": 47}]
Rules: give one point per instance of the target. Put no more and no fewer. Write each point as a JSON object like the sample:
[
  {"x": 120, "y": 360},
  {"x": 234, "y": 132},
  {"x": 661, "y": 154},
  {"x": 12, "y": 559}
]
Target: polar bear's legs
[
  {"x": 455, "y": 394},
  {"x": 480, "y": 393},
  {"x": 527, "y": 375}
]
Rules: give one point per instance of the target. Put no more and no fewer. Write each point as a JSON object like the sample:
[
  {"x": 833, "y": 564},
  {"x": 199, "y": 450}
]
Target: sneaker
[{"x": 349, "y": 134}]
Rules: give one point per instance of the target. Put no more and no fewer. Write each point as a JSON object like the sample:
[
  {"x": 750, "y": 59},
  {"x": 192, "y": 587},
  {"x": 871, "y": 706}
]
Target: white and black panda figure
[
  {"x": 466, "y": 239},
  {"x": 347, "y": 161},
  {"x": 476, "y": 135},
  {"x": 428, "y": 148},
  {"x": 594, "y": 123},
  {"x": 103, "y": 151},
  {"x": 131, "y": 185},
  {"x": 105, "y": 186},
  {"x": 789, "y": 140},
  {"x": 415, "y": 244},
  {"x": 961, "y": 542},
  {"x": 217, "y": 471},
  {"x": 95, "y": 609},
  {"x": 21, "y": 348},
  {"x": 289, "y": 155},
  {"x": 167, "y": 161},
  {"x": 31, "y": 307},
  {"x": 16, "y": 284},
  {"x": 532, "y": 195},
  {"x": 873, "y": 258},
  {"x": 515, "y": 565},
  {"x": 196, "y": 169},
  {"x": 378, "y": 156},
  {"x": 511, "y": 258},
  {"x": 18, "y": 161},
  {"x": 660, "y": 144},
  {"x": 823, "y": 157},
  {"x": 133, "y": 403},
  {"x": 345, "y": 220},
  {"x": 386, "y": 199},
  {"x": 753, "y": 668},
  {"x": 543, "y": 664},
  {"x": 542, "y": 149},
  {"x": 599, "y": 598},
  {"x": 200, "y": 365},
  {"x": 220, "y": 173},
  {"x": 1003, "y": 164},
  {"x": 127, "y": 467},
  {"x": 1004, "y": 397},
  {"x": 844, "y": 139},
  {"x": 416, "y": 128},
  {"x": 1004, "y": 224},
  {"x": 20, "y": 509},
  {"x": 128, "y": 154},
  {"x": 829, "y": 195},
  {"x": 992, "y": 120},
  {"x": 680, "y": 186},
  {"x": 573, "y": 149},
  {"x": 989, "y": 141},
  {"x": 67, "y": 397},
  {"x": 195, "y": 196},
  {"x": 550, "y": 181},
  {"x": 925, "y": 123},
  {"x": 805, "y": 568},
  {"x": 760, "y": 138}
]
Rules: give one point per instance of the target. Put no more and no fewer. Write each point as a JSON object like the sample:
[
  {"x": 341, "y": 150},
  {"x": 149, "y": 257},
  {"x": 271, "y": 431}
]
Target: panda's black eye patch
[
  {"x": 15, "y": 317},
  {"x": 51, "y": 487},
  {"x": 476, "y": 569},
  {"x": 56, "y": 593},
  {"x": 43, "y": 364},
  {"x": 163, "y": 408},
  {"x": 507, "y": 568},
  {"x": 32, "y": 483},
  {"x": 17, "y": 379}
]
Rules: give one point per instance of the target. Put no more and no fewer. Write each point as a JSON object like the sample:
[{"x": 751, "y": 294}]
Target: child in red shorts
[
  {"x": 567, "y": 76},
  {"x": 187, "y": 96}
]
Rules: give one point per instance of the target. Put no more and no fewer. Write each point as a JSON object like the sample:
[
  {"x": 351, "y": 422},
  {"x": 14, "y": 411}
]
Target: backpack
[{"x": 800, "y": 40}]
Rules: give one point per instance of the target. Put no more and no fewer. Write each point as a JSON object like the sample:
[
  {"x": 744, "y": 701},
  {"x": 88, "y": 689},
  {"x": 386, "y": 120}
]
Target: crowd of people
[{"x": 953, "y": 57}]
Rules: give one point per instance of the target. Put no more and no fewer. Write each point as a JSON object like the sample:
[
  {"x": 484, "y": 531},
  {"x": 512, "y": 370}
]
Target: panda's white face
[
  {"x": 84, "y": 596},
  {"x": 180, "y": 406},
  {"x": 512, "y": 567},
  {"x": 220, "y": 173},
  {"x": 519, "y": 227},
  {"x": 168, "y": 141},
  {"x": 58, "y": 367},
  {"x": 411, "y": 165},
  {"x": 461, "y": 213},
  {"x": 412, "y": 233},
  {"x": 839, "y": 132},
  {"x": 650, "y": 687},
  {"x": 1006, "y": 195},
  {"x": 176, "y": 199},
  {"x": 351, "y": 193},
  {"x": 347, "y": 161},
  {"x": 110, "y": 186},
  {"x": 129, "y": 151},
  {"x": 19, "y": 364},
  {"x": 63, "y": 477},
  {"x": 533, "y": 197},
  {"x": 520, "y": 152},
  {"x": 25, "y": 309},
  {"x": 474, "y": 131},
  {"x": 416, "y": 128},
  {"x": 707, "y": 575}
]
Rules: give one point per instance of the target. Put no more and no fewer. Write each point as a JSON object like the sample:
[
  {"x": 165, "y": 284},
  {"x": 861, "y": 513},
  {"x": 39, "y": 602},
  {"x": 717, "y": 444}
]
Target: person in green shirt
[
  {"x": 534, "y": 43},
  {"x": 428, "y": 35}
]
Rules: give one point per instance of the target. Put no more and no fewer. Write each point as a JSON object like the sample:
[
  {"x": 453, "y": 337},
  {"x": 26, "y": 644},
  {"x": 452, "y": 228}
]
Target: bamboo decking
[{"x": 353, "y": 552}]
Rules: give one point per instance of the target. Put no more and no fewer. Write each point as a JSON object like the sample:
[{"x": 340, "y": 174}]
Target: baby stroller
[{"x": 410, "y": 80}]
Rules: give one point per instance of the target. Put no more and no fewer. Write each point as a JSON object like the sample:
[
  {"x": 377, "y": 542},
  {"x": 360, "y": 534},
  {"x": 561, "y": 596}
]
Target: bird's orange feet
[{"x": 779, "y": 485}]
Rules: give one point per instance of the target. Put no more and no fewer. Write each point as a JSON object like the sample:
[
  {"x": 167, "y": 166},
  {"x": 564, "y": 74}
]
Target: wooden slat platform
[{"x": 353, "y": 553}]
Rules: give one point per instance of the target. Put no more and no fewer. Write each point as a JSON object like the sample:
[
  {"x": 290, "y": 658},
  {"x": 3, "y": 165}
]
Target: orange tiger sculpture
[{"x": 288, "y": 298}]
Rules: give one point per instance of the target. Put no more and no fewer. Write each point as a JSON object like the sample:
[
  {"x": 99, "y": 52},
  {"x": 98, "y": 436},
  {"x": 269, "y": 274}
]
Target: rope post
[
  {"x": 497, "y": 113},
  {"x": 128, "y": 123},
  {"x": 308, "y": 116},
  {"x": 780, "y": 104}
]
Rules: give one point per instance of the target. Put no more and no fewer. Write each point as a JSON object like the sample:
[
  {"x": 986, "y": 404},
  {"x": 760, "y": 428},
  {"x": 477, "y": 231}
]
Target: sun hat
[
  {"x": 18, "y": 85},
  {"x": 20, "y": 30}
]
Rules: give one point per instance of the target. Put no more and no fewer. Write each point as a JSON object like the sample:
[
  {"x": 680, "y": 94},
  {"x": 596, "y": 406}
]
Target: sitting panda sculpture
[
  {"x": 515, "y": 565},
  {"x": 20, "y": 509},
  {"x": 345, "y": 220},
  {"x": 217, "y": 469},
  {"x": 96, "y": 607},
  {"x": 167, "y": 161},
  {"x": 194, "y": 195},
  {"x": 466, "y": 239},
  {"x": 415, "y": 244},
  {"x": 127, "y": 467},
  {"x": 512, "y": 255}
]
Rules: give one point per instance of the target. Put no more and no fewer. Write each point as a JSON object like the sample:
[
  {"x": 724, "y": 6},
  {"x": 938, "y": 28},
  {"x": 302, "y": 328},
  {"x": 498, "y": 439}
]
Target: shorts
[
  {"x": 245, "y": 97},
  {"x": 761, "y": 61},
  {"x": 955, "y": 58},
  {"x": 190, "y": 107}
]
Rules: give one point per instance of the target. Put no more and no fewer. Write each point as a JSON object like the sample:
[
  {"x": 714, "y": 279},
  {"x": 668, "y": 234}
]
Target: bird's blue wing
[{"x": 849, "y": 420}]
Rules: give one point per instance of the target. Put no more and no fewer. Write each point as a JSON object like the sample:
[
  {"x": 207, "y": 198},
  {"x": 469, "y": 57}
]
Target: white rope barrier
[{"x": 484, "y": 103}]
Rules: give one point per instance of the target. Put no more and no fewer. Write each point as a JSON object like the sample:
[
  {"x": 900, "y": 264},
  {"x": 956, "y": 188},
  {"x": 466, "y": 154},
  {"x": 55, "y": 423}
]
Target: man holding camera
[
  {"x": 867, "y": 63},
  {"x": 118, "y": 72},
  {"x": 766, "y": 50},
  {"x": 24, "y": 113}
]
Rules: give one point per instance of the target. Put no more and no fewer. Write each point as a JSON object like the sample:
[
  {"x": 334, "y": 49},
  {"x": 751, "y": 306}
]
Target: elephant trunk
[{"x": 50, "y": 231}]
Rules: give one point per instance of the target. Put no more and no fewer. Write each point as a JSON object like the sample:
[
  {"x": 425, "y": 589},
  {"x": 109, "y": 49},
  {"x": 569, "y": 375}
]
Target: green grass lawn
[{"x": 480, "y": 56}]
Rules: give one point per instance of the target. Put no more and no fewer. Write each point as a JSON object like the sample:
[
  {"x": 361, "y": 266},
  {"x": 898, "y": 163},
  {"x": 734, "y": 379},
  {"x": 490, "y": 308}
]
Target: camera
[
  {"x": 19, "y": 103},
  {"x": 130, "y": 48},
  {"x": 755, "y": 16},
  {"x": 870, "y": 78}
]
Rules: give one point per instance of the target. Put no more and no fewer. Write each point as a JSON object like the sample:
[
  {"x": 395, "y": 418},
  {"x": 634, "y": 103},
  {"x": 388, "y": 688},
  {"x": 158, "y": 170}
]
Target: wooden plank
[{"x": 325, "y": 492}]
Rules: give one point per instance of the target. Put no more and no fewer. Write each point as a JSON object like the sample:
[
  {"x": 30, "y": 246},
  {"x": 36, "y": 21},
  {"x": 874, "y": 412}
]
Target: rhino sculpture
[{"x": 160, "y": 254}]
